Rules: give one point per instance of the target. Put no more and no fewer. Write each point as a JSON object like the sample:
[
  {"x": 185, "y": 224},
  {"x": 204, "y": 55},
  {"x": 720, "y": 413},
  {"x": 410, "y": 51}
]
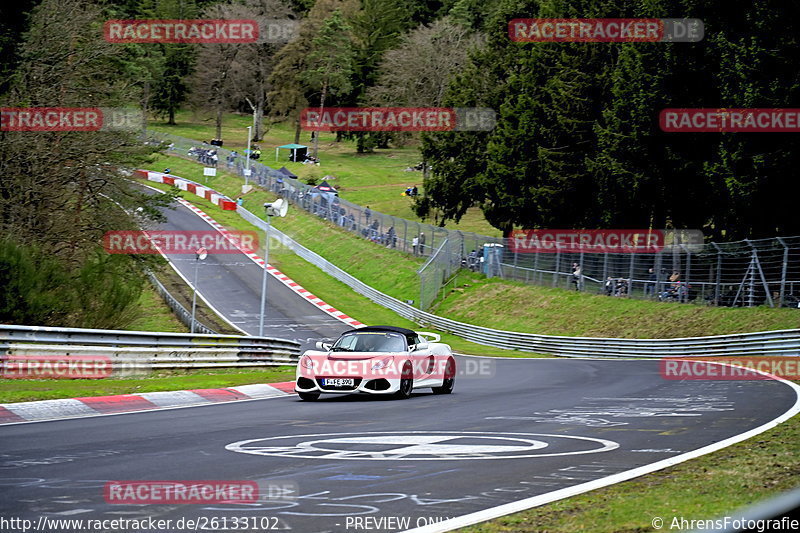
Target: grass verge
[
  {"x": 155, "y": 314},
  {"x": 25, "y": 390}
]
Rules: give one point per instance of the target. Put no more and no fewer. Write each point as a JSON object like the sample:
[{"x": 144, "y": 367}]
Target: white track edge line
[
  {"x": 188, "y": 283},
  {"x": 213, "y": 223},
  {"x": 536, "y": 501}
]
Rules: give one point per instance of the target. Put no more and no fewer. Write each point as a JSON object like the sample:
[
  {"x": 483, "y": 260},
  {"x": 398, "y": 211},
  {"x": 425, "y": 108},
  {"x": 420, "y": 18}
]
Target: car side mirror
[
  {"x": 421, "y": 346},
  {"x": 324, "y": 346}
]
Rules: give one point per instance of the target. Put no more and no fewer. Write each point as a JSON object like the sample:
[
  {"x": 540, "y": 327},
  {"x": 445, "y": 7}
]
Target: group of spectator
[
  {"x": 411, "y": 191},
  {"x": 206, "y": 156},
  {"x": 616, "y": 286},
  {"x": 676, "y": 290},
  {"x": 473, "y": 260},
  {"x": 368, "y": 227}
]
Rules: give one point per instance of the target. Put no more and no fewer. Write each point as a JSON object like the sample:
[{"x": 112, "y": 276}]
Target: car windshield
[{"x": 370, "y": 342}]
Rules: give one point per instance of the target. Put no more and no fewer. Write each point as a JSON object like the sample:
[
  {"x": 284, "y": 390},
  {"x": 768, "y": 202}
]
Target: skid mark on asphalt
[{"x": 598, "y": 413}]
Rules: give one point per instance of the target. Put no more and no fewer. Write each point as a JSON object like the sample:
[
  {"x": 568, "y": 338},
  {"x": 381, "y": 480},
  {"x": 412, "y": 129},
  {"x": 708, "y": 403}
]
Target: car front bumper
[{"x": 361, "y": 385}]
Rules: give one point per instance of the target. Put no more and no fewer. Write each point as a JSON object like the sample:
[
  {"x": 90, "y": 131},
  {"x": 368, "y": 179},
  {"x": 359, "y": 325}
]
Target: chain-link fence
[
  {"x": 736, "y": 274},
  {"x": 743, "y": 273},
  {"x": 440, "y": 268}
]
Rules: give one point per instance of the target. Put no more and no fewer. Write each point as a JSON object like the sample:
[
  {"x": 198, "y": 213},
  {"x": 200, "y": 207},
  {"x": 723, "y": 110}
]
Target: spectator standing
[
  {"x": 472, "y": 261},
  {"x": 652, "y": 279},
  {"x": 414, "y": 244},
  {"x": 576, "y": 276},
  {"x": 374, "y": 232},
  {"x": 422, "y": 243}
]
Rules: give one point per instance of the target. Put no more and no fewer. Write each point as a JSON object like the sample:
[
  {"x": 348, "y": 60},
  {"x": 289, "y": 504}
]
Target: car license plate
[{"x": 338, "y": 382}]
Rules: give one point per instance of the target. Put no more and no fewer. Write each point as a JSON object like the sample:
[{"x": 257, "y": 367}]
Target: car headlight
[
  {"x": 383, "y": 363},
  {"x": 307, "y": 362}
]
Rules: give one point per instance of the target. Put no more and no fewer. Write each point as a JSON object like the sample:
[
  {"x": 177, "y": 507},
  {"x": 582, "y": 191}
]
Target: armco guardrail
[
  {"x": 782, "y": 342},
  {"x": 136, "y": 350}
]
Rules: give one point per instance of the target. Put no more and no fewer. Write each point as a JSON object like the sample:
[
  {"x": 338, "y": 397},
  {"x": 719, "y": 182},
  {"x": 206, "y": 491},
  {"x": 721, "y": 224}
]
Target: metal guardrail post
[
  {"x": 557, "y": 268},
  {"x": 719, "y": 274},
  {"x": 630, "y": 276},
  {"x": 688, "y": 273},
  {"x": 784, "y": 267}
]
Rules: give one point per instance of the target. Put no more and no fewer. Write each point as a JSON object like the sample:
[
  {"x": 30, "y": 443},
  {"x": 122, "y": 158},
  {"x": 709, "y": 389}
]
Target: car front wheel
[{"x": 406, "y": 383}]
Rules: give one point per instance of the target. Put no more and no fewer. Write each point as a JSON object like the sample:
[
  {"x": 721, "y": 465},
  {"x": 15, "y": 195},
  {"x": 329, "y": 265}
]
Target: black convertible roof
[{"x": 393, "y": 329}]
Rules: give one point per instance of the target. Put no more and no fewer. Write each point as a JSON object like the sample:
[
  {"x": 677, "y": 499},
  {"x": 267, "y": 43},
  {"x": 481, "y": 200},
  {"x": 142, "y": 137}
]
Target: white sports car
[{"x": 383, "y": 360}]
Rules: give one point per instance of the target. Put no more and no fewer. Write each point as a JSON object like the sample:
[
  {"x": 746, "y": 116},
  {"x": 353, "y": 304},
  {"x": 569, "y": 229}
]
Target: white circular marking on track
[{"x": 421, "y": 445}]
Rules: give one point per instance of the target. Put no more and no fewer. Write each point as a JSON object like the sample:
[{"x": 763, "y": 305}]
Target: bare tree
[
  {"x": 255, "y": 61},
  {"x": 213, "y": 79},
  {"x": 417, "y": 72}
]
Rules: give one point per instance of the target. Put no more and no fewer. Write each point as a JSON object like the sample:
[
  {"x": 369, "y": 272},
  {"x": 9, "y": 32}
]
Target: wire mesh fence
[
  {"x": 439, "y": 269},
  {"x": 736, "y": 274},
  {"x": 743, "y": 273}
]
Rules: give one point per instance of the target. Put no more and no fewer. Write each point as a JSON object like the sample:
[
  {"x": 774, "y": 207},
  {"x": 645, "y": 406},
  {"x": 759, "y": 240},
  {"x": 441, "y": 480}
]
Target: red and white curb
[
  {"x": 193, "y": 187},
  {"x": 277, "y": 274},
  {"x": 227, "y": 204},
  {"x": 11, "y": 413}
]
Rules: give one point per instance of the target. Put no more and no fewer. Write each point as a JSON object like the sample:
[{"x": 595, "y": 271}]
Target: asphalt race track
[
  {"x": 231, "y": 282},
  {"x": 513, "y": 429}
]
